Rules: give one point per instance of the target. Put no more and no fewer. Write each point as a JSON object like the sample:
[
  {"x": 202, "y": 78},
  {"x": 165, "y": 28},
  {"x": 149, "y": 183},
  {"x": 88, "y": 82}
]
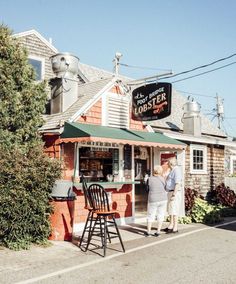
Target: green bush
[
  {"x": 203, "y": 212},
  {"x": 26, "y": 173},
  {"x": 26, "y": 183}
]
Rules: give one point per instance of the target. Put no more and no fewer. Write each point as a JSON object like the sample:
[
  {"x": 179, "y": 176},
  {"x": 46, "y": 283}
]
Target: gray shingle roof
[
  {"x": 93, "y": 73},
  {"x": 173, "y": 122},
  {"x": 86, "y": 92}
]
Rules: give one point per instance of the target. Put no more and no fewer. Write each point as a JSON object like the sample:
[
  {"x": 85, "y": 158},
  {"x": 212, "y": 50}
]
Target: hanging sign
[{"x": 151, "y": 102}]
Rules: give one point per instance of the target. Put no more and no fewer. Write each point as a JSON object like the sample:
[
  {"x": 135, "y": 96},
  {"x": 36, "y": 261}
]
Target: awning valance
[{"x": 79, "y": 132}]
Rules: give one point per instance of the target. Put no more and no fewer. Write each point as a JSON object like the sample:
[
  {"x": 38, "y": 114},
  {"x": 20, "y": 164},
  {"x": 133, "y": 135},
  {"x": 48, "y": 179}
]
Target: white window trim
[
  {"x": 232, "y": 159},
  {"x": 34, "y": 57},
  {"x": 204, "y": 149}
]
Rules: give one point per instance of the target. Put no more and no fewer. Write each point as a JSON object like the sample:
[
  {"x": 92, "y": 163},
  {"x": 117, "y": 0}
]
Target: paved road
[{"x": 198, "y": 254}]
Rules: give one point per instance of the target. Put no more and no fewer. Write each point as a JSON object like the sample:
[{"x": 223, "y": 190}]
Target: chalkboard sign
[{"x": 127, "y": 157}]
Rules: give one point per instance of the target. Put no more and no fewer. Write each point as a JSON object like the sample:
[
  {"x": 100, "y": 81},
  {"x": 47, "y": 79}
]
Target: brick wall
[
  {"x": 215, "y": 170},
  {"x": 51, "y": 146},
  {"x": 67, "y": 212},
  {"x": 121, "y": 202}
]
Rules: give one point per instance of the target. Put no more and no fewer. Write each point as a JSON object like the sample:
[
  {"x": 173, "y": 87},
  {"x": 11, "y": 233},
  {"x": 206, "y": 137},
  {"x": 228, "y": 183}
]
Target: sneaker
[
  {"x": 146, "y": 234},
  {"x": 156, "y": 234}
]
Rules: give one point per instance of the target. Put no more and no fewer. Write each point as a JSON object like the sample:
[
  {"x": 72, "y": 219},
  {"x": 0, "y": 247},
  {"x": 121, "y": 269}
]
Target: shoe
[
  {"x": 168, "y": 231},
  {"x": 165, "y": 230},
  {"x": 146, "y": 234},
  {"x": 156, "y": 234}
]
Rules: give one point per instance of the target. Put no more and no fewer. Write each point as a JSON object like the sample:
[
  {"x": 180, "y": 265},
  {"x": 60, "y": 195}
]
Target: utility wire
[
  {"x": 200, "y": 74},
  {"x": 194, "y": 94},
  {"x": 142, "y": 67},
  {"x": 200, "y": 67}
]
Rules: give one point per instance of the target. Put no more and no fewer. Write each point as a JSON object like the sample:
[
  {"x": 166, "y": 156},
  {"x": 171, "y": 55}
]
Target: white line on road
[{"x": 69, "y": 269}]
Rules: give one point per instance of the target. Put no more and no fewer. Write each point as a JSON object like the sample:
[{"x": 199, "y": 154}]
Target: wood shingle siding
[{"x": 215, "y": 170}]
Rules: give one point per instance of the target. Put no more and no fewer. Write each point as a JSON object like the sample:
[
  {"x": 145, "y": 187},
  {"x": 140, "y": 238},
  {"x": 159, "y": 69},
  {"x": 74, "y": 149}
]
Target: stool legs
[
  {"x": 104, "y": 233},
  {"x": 87, "y": 227},
  {"x": 118, "y": 233}
]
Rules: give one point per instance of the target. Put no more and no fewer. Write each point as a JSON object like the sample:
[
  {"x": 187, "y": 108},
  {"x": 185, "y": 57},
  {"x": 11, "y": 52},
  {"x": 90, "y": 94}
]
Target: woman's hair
[
  {"x": 172, "y": 161},
  {"x": 158, "y": 170}
]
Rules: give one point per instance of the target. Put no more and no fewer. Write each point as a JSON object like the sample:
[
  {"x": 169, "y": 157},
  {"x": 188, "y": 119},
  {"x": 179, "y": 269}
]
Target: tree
[{"x": 26, "y": 173}]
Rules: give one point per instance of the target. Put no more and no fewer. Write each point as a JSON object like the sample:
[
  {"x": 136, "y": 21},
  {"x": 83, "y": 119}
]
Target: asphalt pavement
[{"x": 62, "y": 261}]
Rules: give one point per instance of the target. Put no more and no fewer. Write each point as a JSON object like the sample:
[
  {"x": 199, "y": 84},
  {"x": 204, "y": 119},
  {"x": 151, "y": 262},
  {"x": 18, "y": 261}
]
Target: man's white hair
[{"x": 172, "y": 161}]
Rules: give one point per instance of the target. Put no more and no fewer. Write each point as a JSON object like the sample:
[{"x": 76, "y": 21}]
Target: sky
[{"x": 154, "y": 35}]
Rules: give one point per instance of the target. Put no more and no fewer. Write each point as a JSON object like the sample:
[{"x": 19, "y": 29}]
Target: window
[
  {"x": 233, "y": 165},
  {"x": 198, "y": 159},
  {"x": 38, "y": 65}
]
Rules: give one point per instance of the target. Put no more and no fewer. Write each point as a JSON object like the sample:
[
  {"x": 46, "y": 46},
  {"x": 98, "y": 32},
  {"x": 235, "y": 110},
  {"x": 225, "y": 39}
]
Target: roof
[
  {"x": 86, "y": 94},
  {"x": 205, "y": 139},
  {"x": 174, "y": 121},
  {"x": 98, "y": 78},
  {"x": 80, "y": 132},
  {"x": 93, "y": 73},
  {"x": 37, "y": 34}
]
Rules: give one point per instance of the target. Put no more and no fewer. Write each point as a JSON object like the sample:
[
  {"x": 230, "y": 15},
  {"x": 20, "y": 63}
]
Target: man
[{"x": 173, "y": 187}]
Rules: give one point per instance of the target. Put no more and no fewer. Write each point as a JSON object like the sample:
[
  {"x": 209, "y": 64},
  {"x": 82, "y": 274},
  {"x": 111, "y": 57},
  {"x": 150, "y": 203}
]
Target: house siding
[
  {"x": 38, "y": 48},
  {"x": 215, "y": 170}
]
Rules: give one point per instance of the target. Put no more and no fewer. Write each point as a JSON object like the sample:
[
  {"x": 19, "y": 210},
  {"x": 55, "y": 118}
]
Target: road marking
[{"x": 69, "y": 269}]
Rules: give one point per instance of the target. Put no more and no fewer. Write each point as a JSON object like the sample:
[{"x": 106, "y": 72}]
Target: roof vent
[
  {"x": 65, "y": 64},
  {"x": 64, "y": 86},
  {"x": 191, "y": 108},
  {"x": 191, "y": 118}
]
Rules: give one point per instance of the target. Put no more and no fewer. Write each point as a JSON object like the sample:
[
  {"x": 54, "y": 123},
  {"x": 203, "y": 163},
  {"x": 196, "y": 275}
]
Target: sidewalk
[
  {"x": 62, "y": 250},
  {"x": 16, "y": 266}
]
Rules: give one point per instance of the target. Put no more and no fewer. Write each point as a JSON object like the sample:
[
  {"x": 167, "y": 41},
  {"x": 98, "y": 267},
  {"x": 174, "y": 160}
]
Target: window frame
[
  {"x": 202, "y": 148},
  {"x": 232, "y": 159},
  {"x": 42, "y": 60}
]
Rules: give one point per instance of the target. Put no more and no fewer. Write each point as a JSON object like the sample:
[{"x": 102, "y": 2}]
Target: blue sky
[{"x": 175, "y": 34}]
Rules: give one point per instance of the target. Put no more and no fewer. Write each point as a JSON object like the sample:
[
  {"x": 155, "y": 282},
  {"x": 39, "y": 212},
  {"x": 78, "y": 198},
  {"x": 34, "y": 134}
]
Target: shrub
[
  {"x": 190, "y": 195},
  {"x": 26, "y": 173},
  {"x": 203, "y": 212},
  {"x": 25, "y": 187},
  {"x": 223, "y": 195}
]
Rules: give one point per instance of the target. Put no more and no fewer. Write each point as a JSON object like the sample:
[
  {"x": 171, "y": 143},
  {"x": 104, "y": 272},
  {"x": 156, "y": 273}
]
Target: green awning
[{"x": 79, "y": 132}]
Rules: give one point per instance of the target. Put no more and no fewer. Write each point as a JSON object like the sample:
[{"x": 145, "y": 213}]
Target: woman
[{"x": 157, "y": 200}]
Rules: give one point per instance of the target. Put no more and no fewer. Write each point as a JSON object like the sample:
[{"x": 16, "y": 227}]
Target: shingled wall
[{"x": 215, "y": 170}]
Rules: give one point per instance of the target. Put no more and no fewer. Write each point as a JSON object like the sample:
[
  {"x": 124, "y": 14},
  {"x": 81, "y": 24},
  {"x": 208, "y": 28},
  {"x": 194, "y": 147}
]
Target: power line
[
  {"x": 194, "y": 94},
  {"x": 200, "y": 74},
  {"x": 202, "y": 66},
  {"x": 143, "y": 67}
]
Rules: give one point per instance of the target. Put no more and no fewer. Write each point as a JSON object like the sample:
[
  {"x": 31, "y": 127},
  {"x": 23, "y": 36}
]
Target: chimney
[
  {"x": 191, "y": 118},
  {"x": 64, "y": 86}
]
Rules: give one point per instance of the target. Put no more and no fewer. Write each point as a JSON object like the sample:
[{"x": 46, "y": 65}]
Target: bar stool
[
  {"x": 90, "y": 216},
  {"x": 105, "y": 218}
]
